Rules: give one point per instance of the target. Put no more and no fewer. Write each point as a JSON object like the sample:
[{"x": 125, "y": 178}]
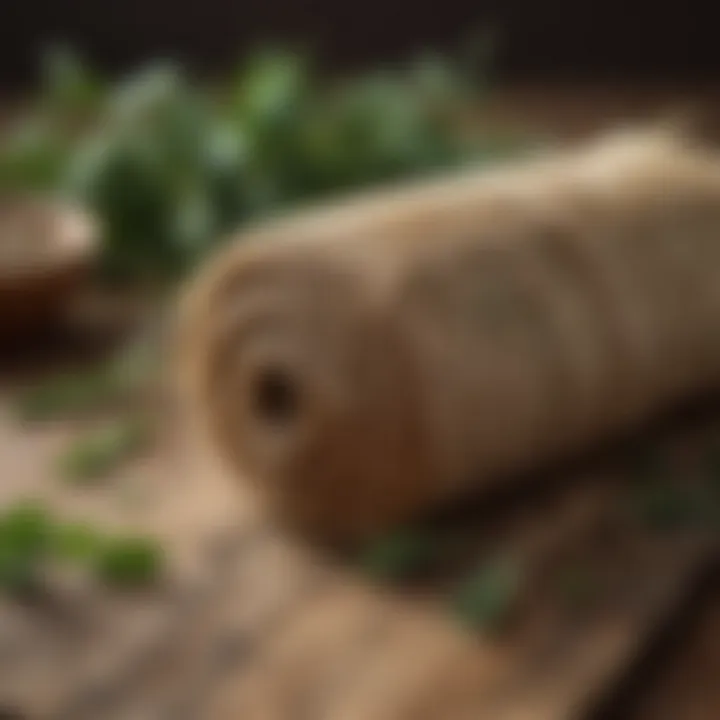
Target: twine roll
[{"x": 362, "y": 362}]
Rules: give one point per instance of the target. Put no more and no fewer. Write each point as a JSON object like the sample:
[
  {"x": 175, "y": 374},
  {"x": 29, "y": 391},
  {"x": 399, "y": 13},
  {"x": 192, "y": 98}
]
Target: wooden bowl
[{"x": 47, "y": 250}]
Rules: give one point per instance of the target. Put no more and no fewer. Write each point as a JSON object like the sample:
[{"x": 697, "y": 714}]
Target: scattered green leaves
[
  {"x": 31, "y": 539},
  {"x": 485, "y": 600}
]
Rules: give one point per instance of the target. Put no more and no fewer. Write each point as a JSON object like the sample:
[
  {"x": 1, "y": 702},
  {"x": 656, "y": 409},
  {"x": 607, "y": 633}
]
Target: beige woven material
[{"x": 363, "y": 362}]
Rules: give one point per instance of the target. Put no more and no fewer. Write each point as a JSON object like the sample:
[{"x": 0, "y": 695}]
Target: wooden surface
[{"x": 251, "y": 625}]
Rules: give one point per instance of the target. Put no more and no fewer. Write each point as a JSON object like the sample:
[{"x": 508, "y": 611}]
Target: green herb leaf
[
  {"x": 129, "y": 563},
  {"x": 484, "y": 601},
  {"x": 399, "y": 555},
  {"x": 25, "y": 543},
  {"x": 76, "y": 542},
  {"x": 71, "y": 90}
]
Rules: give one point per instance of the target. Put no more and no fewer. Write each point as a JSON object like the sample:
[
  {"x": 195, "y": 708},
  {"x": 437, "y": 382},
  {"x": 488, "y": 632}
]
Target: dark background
[{"x": 555, "y": 39}]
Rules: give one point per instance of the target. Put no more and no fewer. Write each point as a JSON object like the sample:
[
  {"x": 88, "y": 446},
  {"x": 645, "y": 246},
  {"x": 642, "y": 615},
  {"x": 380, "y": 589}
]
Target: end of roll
[{"x": 303, "y": 389}]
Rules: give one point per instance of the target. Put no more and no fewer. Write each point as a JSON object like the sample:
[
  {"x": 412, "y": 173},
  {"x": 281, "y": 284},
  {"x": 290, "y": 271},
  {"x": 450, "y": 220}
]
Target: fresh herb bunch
[{"x": 169, "y": 168}]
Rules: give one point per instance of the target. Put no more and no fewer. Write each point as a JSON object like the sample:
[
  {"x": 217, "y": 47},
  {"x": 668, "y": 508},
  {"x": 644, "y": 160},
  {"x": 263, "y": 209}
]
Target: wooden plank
[{"x": 253, "y": 626}]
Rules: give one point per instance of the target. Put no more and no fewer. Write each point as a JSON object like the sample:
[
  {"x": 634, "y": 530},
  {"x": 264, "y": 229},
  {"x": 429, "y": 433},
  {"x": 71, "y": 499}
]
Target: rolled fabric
[{"x": 362, "y": 362}]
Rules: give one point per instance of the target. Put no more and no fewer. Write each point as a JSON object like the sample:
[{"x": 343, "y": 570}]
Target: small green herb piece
[
  {"x": 76, "y": 542},
  {"x": 25, "y": 541},
  {"x": 32, "y": 156},
  {"x": 27, "y": 527},
  {"x": 484, "y": 601},
  {"x": 71, "y": 90},
  {"x": 94, "y": 457},
  {"x": 129, "y": 562},
  {"x": 399, "y": 555},
  {"x": 30, "y": 539},
  {"x": 25, "y": 537}
]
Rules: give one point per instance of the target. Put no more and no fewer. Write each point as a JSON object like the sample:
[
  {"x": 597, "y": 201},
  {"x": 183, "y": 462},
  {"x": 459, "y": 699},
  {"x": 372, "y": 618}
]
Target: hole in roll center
[{"x": 275, "y": 397}]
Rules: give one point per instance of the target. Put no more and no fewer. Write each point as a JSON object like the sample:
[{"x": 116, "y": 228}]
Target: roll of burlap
[{"x": 362, "y": 362}]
